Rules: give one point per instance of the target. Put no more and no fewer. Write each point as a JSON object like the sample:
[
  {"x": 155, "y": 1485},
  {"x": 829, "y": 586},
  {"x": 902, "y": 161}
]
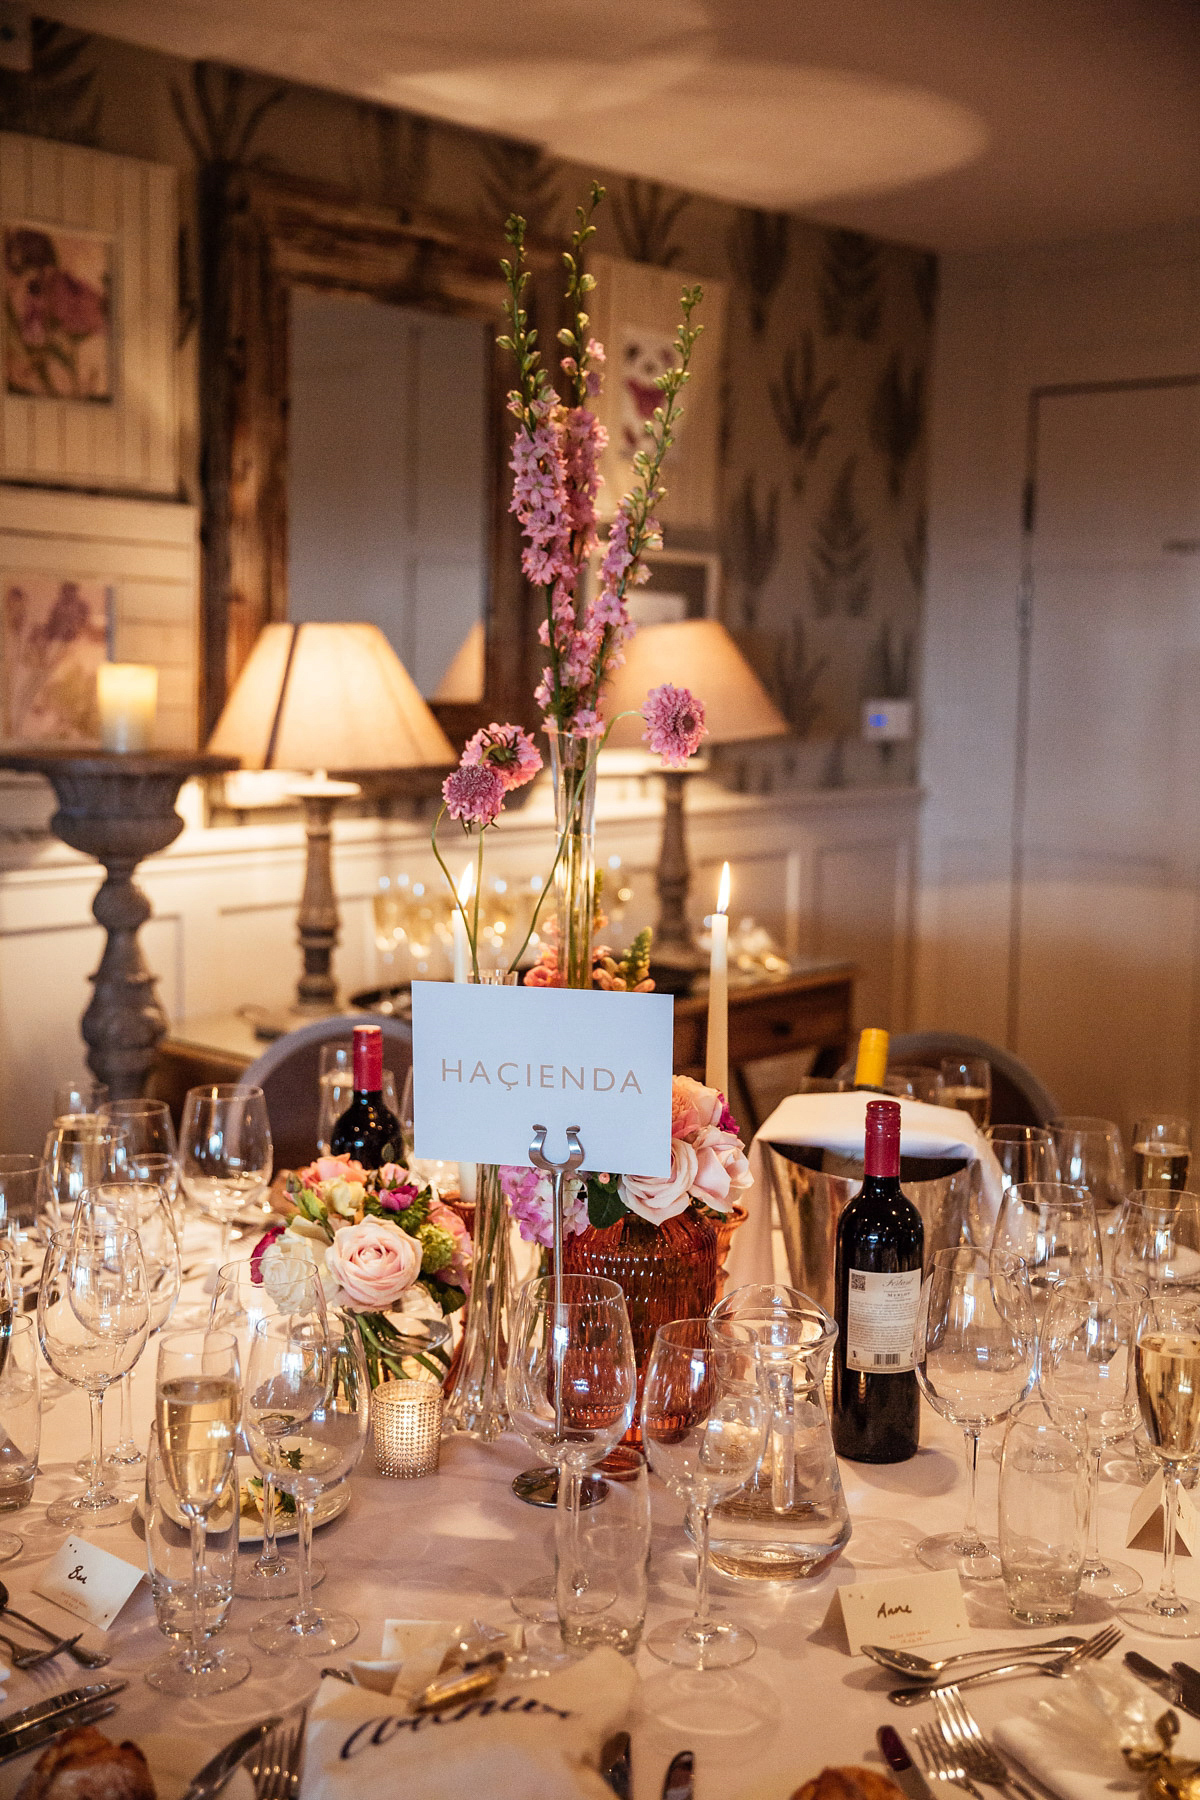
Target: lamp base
[{"x": 675, "y": 967}]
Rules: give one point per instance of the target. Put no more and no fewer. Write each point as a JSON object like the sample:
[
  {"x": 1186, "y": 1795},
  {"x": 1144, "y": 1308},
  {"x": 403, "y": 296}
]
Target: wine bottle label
[{"x": 880, "y": 1320}]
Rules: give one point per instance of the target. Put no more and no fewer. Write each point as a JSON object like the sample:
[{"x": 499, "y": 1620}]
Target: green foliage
[
  {"x": 635, "y": 964},
  {"x": 437, "y": 1248},
  {"x": 605, "y": 1206}
]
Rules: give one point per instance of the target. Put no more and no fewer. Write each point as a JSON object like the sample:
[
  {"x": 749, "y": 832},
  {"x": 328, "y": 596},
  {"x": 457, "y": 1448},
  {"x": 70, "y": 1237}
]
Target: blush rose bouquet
[
  {"x": 391, "y": 1254},
  {"x": 708, "y": 1170}
]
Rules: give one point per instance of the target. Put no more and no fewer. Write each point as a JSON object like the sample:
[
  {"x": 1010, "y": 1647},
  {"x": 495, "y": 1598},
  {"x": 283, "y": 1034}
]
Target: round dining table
[{"x": 454, "y": 1545}]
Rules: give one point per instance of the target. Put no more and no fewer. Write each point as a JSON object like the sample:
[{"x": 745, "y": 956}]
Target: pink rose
[
  {"x": 373, "y": 1263},
  {"x": 660, "y": 1197},
  {"x": 721, "y": 1167},
  {"x": 692, "y": 1105},
  {"x": 458, "y": 1273},
  {"x": 332, "y": 1168}
]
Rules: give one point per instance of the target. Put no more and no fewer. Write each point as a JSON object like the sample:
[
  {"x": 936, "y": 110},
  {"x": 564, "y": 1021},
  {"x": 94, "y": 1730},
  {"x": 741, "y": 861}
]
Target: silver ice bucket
[{"x": 810, "y": 1187}]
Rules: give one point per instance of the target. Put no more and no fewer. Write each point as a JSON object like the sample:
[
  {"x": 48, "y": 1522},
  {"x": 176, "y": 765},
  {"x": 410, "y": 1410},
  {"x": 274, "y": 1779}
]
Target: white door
[{"x": 1108, "y": 837}]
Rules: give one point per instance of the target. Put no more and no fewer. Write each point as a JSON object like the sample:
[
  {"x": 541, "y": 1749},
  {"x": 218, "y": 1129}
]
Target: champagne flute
[
  {"x": 1157, "y": 1241},
  {"x": 1024, "y": 1152},
  {"x": 1162, "y": 1152},
  {"x": 93, "y": 1318},
  {"x": 1087, "y": 1368},
  {"x": 247, "y": 1293},
  {"x": 974, "y": 1349},
  {"x": 225, "y": 1152},
  {"x": 1167, "y": 1367},
  {"x": 967, "y": 1085},
  {"x": 704, "y": 1425},
  {"x": 197, "y": 1400},
  {"x": 145, "y": 1208},
  {"x": 307, "y": 1413}
]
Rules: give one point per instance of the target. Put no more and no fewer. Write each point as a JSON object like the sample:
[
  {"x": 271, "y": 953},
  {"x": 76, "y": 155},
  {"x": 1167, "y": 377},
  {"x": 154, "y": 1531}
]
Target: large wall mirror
[{"x": 356, "y": 442}]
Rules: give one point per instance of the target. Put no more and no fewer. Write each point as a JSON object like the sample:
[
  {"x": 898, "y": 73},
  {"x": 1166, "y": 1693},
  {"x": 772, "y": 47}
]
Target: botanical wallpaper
[{"x": 825, "y": 389}]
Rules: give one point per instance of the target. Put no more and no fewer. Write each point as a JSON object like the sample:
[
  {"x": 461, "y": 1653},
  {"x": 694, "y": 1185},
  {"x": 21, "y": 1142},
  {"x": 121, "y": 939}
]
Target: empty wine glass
[
  {"x": 1053, "y": 1229},
  {"x": 93, "y": 1320},
  {"x": 1024, "y": 1152},
  {"x": 974, "y": 1349},
  {"x": 967, "y": 1085},
  {"x": 704, "y": 1425},
  {"x": 1087, "y": 1367},
  {"x": 309, "y": 1432},
  {"x": 143, "y": 1206},
  {"x": 1091, "y": 1156},
  {"x": 20, "y": 1177},
  {"x": 1167, "y": 1370},
  {"x": 74, "y": 1099},
  {"x": 1157, "y": 1241},
  {"x": 10, "y": 1544},
  {"x": 79, "y": 1153},
  {"x": 247, "y": 1293},
  {"x": 146, "y": 1129},
  {"x": 910, "y": 1081},
  {"x": 1162, "y": 1152},
  {"x": 225, "y": 1152},
  {"x": 197, "y": 1401}
]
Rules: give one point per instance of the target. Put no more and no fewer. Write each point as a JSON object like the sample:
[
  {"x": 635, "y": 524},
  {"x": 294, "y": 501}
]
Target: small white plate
[{"x": 329, "y": 1507}]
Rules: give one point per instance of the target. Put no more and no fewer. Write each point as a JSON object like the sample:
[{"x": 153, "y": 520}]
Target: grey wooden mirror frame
[{"x": 263, "y": 235}]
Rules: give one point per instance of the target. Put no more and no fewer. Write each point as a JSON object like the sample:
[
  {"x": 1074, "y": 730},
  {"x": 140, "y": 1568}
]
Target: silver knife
[
  {"x": 615, "y": 1765},
  {"x": 40, "y": 1731},
  {"x": 680, "y": 1783},
  {"x": 1160, "y": 1680},
  {"x": 904, "y": 1771},
  {"x": 218, "y": 1769},
  {"x": 17, "y": 1723}
]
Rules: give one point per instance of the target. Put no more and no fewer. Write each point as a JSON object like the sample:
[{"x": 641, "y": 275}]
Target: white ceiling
[{"x": 956, "y": 123}]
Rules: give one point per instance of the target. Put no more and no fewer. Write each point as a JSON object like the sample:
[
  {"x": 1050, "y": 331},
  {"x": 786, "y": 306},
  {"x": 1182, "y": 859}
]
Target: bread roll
[
  {"x": 848, "y": 1784},
  {"x": 85, "y": 1765}
]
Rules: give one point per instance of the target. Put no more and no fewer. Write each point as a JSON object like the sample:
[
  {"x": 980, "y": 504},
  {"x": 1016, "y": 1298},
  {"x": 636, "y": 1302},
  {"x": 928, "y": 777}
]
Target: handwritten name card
[
  {"x": 902, "y": 1612},
  {"x": 491, "y": 1062},
  {"x": 88, "y": 1582}
]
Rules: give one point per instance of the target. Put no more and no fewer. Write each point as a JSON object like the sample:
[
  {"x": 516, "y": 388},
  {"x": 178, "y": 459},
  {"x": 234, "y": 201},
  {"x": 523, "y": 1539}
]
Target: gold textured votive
[{"x": 406, "y": 1417}]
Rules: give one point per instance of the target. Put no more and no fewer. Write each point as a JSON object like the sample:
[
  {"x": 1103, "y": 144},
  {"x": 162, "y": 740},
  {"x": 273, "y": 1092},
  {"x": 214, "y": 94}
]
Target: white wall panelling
[{"x": 827, "y": 872}]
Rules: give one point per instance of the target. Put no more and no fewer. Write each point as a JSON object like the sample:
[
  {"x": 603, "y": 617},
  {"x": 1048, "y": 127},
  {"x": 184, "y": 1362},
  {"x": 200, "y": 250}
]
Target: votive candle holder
[{"x": 406, "y": 1417}]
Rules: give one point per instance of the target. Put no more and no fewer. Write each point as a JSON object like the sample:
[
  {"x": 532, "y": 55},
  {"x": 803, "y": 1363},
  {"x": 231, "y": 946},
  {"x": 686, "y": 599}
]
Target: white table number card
[
  {"x": 491, "y": 1062},
  {"x": 91, "y": 1583}
]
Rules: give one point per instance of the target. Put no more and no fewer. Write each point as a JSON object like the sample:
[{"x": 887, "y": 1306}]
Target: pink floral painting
[
  {"x": 56, "y": 634},
  {"x": 57, "y": 306}
]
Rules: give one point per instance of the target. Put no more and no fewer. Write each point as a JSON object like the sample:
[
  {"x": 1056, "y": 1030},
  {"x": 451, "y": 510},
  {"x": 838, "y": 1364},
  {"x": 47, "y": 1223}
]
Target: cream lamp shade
[
  {"x": 462, "y": 684},
  {"x": 698, "y": 654},
  {"x": 328, "y": 696}
]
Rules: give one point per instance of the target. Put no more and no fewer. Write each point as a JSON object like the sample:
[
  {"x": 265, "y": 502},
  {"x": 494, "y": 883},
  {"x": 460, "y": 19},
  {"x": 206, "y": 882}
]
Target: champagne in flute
[
  {"x": 197, "y": 1434},
  {"x": 973, "y": 1100},
  {"x": 1161, "y": 1152},
  {"x": 1168, "y": 1382}
]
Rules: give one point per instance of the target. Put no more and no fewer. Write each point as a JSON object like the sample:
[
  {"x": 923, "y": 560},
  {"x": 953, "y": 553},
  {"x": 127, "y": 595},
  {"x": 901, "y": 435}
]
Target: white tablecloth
[{"x": 455, "y": 1544}]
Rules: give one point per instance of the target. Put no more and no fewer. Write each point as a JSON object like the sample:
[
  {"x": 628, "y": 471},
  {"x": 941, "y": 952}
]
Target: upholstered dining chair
[
  {"x": 288, "y": 1073},
  {"x": 1018, "y": 1097}
]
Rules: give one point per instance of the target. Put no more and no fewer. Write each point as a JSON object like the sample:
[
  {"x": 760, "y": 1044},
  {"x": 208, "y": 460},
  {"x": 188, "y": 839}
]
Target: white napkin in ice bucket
[
  {"x": 838, "y": 1122},
  {"x": 533, "y": 1740}
]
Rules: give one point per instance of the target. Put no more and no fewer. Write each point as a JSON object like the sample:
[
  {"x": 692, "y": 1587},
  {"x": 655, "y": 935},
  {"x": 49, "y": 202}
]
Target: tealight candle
[
  {"x": 406, "y": 1418},
  {"x": 127, "y": 695},
  {"x": 716, "y": 1063}
]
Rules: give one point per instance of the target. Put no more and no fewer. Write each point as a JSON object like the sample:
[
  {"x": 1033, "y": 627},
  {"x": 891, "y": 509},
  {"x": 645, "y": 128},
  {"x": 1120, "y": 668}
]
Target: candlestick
[
  {"x": 462, "y": 945},
  {"x": 127, "y": 696},
  {"x": 716, "y": 1066}
]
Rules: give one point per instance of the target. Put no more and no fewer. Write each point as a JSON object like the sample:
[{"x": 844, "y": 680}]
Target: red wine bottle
[
  {"x": 877, "y": 1290},
  {"x": 367, "y": 1130}
]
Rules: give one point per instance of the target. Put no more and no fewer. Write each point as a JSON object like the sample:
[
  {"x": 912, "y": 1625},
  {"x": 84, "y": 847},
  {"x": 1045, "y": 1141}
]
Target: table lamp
[
  {"x": 698, "y": 654},
  {"x": 316, "y": 698}
]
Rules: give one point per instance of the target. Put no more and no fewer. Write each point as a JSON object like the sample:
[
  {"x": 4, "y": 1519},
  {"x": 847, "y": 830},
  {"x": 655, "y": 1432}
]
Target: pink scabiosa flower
[
  {"x": 674, "y": 723},
  {"x": 474, "y": 794},
  {"x": 508, "y": 750}
]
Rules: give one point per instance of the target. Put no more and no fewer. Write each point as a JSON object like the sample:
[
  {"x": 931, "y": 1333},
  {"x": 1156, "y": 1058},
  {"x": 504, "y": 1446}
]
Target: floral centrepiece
[{"x": 389, "y": 1250}]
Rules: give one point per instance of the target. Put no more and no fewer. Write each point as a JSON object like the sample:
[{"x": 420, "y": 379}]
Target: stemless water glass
[
  {"x": 169, "y": 1553},
  {"x": 309, "y": 1448},
  {"x": 1157, "y": 1241},
  {"x": 974, "y": 1349},
  {"x": 197, "y": 1400},
  {"x": 1167, "y": 1367},
  {"x": 1043, "y": 1512},
  {"x": 225, "y": 1152},
  {"x": 704, "y": 1425},
  {"x": 93, "y": 1320},
  {"x": 20, "y": 1424},
  {"x": 1087, "y": 1367},
  {"x": 1091, "y": 1155},
  {"x": 1162, "y": 1152},
  {"x": 1053, "y": 1229},
  {"x": 1025, "y": 1153},
  {"x": 240, "y": 1303},
  {"x": 967, "y": 1085},
  {"x": 144, "y": 1207}
]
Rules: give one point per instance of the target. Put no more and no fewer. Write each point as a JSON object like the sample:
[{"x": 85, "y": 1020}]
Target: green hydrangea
[{"x": 437, "y": 1247}]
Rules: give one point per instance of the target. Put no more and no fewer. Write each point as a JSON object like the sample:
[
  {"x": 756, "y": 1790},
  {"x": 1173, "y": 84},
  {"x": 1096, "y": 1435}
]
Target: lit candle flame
[
  {"x": 466, "y": 884},
  {"x": 723, "y": 890}
]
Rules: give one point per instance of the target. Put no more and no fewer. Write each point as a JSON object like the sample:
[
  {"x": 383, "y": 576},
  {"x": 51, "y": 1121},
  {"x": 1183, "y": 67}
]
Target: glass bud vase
[
  {"x": 573, "y": 768},
  {"x": 475, "y": 1402}
]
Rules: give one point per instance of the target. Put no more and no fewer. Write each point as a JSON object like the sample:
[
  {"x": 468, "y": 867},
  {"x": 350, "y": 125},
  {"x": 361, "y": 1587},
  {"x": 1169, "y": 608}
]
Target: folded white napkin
[
  {"x": 838, "y": 1122},
  {"x": 1038, "y": 1749},
  {"x": 537, "y": 1740}
]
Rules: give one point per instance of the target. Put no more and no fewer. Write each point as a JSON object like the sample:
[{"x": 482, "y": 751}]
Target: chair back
[
  {"x": 288, "y": 1072},
  {"x": 1018, "y": 1097}
]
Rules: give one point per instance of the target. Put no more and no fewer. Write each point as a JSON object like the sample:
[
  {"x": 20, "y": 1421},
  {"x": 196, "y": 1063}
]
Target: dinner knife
[
  {"x": 16, "y": 1722},
  {"x": 40, "y": 1731},
  {"x": 215, "y": 1773},
  {"x": 904, "y": 1771},
  {"x": 680, "y": 1783},
  {"x": 1189, "y": 1680},
  {"x": 1160, "y": 1680},
  {"x": 615, "y": 1765}
]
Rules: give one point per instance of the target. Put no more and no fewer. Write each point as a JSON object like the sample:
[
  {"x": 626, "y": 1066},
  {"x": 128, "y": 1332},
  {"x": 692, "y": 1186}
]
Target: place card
[
  {"x": 91, "y": 1583},
  {"x": 901, "y": 1611},
  {"x": 1147, "y": 1520},
  {"x": 490, "y": 1063}
]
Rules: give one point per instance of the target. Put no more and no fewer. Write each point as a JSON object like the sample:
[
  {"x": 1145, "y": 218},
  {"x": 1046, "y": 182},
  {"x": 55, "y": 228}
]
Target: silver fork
[
  {"x": 940, "y": 1760},
  {"x": 275, "y": 1765},
  {"x": 1095, "y": 1647},
  {"x": 25, "y": 1656},
  {"x": 980, "y": 1757}
]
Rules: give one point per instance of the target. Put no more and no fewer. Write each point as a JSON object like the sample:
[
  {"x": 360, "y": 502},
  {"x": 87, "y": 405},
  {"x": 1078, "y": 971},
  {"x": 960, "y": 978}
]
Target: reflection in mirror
[{"x": 389, "y": 480}]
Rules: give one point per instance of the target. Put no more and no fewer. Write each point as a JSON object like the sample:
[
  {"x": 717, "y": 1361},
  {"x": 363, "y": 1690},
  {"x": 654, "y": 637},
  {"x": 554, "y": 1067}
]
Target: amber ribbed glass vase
[{"x": 666, "y": 1272}]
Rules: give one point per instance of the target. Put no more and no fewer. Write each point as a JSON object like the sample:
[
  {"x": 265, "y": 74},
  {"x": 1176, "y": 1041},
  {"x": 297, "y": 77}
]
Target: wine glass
[
  {"x": 1087, "y": 1367},
  {"x": 967, "y": 1085},
  {"x": 1053, "y": 1229},
  {"x": 1162, "y": 1152},
  {"x": 20, "y": 1178},
  {"x": 1024, "y": 1152},
  {"x": 307, "y": 1413},
  {"x": 145, "y": 1208},
  {"x": 93, "y": 1318},
  {"x": 974, "y": 1349},
  {"x": 244, "y": 1296},
  {"x": 10, "y": 1544},
  {"x": 704, "y": 1425},
  {"x": 1091, "y": 1156},
  {"x": 1167, "y": 1369},
  {"x": 571, "y": 1387},
  {"x": 146, "y": 1127},
  {"x": 79, "y": 1153},
  {"x": 197, "y": 1399},
  {"x": 225, "y": 1152},
  {"x": 910, "y": 1081},
  {"x": 74, "y": 1099},
  {"x": 1157, "y": 1241}
]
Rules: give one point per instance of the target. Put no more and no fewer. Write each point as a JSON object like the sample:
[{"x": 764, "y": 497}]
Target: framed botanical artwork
[
  {"x": 635, "y": 314},
  {"x": 56, "y": 633},
  {"x": 88, "y": 393}
]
